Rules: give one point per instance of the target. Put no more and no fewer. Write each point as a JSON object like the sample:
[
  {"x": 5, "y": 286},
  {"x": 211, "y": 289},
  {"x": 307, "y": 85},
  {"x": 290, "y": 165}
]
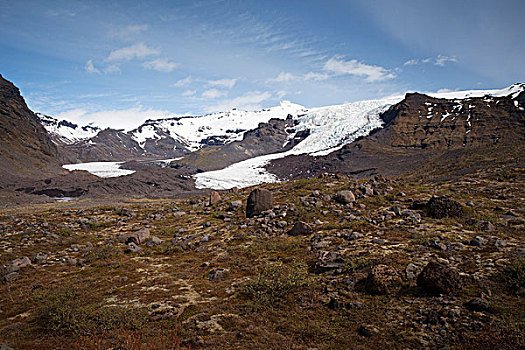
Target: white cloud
[
  {"x": 160, "y": 64},
  {"x": 281, "y": 94},
  {"x": 127, "y": 119},
  {"x": 356, "y": 68},
  {"x": 135, "y": 51},
  {"x": 128, "y": 31},
  {"x": 248, "y": 101},
  {"x": 412, "y": 62},
  {"x": 213, "y": 93},
  {"x": 282, "y": 77},
  {"x": 188, "y": 93},
  {"x": 112, "y": 69},
  {"x": 90, "y": 67},
  {"x": 229, "y": 83},
  {"x": 442, "y": 60},
  {"x": 183, "y": 82},
  {"x": 316, "y": 76}
]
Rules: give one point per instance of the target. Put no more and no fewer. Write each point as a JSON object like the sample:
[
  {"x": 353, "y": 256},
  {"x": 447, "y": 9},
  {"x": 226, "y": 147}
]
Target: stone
[
  {"x": 217, "y": 274},
  {"x": 470, "y": 204},
  {"x": 234, "y": 205},
  {"x": 40, "y": 258},
  {"x": 139, "y": 236},
  {"x": 344, "y": 197},
  {"x": 356, "y": 235},
  {"x": 367, "y": 331},
  {"x": 132, "y": 248},
  {"x": 477, "y": 304},
  {"x": 258, "y": 201},
  {"x": 16, "y": 264},
  {"x": 500, "y": 243},
  {"x": 72, "y": 262},
  {"x": 215, "y": 198},
  {"x": 179, "y": 214},
  {"x": 10, "y": 277},
  {"x": 410, "y": 271},
  {"x": 478, "y": 241},
  {"x": 486, "y": 226},
  {"x": 328, "y": 260},
  {"x": 4, "y": 346},
  {"x": 442, "y": 207},
  {"x": 382, "y": 279},
  {"x": 437, "y": 278},
  {"x": 300, "y": 229},
  {"x": 153, "y": 241}
]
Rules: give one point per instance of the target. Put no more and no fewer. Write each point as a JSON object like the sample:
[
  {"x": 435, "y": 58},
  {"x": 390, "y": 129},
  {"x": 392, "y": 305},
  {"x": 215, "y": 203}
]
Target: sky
[{"x": 117, "y": 63}]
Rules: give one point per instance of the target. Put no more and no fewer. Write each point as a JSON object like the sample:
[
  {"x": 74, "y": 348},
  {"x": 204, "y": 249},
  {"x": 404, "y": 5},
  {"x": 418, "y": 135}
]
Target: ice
[{"x": 101, "y": 169}]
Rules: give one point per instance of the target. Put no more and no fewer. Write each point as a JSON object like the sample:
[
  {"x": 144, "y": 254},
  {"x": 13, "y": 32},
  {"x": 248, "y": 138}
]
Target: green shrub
[
  {"x": 513, "y": 274},
  {"x": 66, "y": 310},
  {"x": 277, "y": 281},
  {"x": 103, "y": 252}
]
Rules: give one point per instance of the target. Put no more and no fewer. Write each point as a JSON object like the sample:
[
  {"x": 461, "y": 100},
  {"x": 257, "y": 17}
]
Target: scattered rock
[
  {"x": 410, "y": 271},
  {"x": 478, "y": 241},
  {"x": 217, "y": 274},
  {"x": 259, "y": 201},
  {"x": 382, "y": 279},
  {"x": 139, "y": 236},
  {"x": 300, "y": 228},
  {"x": 477, "y": 304},
  {"x": 367, "y": 331},
  {"x": 132, "y": 248},
  {"x": 234, "y": 205},
  {"x": 40, "y": 258},
  {"x": 437, "y": 278},
  {"x": 500, "y": 243},
  {"x": 15, "y": 265},
  {"x": 153, "y": 241},
  {"x": 344, "y": 197},
  {"x": 486, "y": 226},
  {"x": 215, "y": 198}
]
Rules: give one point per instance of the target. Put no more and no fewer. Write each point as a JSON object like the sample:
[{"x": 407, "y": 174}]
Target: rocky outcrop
[
  {"x": 26, "y": 149},
  {"x": 259, "y": 200}
]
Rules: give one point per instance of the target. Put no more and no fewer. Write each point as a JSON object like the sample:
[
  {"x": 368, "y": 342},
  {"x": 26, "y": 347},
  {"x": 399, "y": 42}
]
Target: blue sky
[{"x": 119, "y": 62}]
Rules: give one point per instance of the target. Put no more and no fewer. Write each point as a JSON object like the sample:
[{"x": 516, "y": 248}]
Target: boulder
[
  {"x": 16, "y": 264},
  {"x": 215, "y": 197},
  {"x": 382, "y": 279},
  {"x": 258, "y": 201},
  {"x": 344, "y": 197},
  {"x": 138, "y": 237},
  {"x": 437, "y": 278},
  {"x": 300, "y": 228}
]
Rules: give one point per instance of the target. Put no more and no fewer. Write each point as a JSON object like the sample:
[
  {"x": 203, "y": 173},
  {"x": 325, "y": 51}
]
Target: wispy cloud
[
  {"x": 439, "y": 60},
  {"x": 160, "y": 64},
  {"x": 189, "y": 93},
  {"x": 90, "y": 67},
  {"x": 213, "y": 93},
  {"x": 228, "y": 83},
  {"x": 126, "y": 118},
  {"x": 128, "y": 32},
  {"x": 316, "y": 76},
  {"x": 183, "y": 82},
  {"x": 370, "y": 73},
  {"x": 135, "y": 51},
  {"x": 282, "y": 77},
  {"x": 249, "y": 101}
]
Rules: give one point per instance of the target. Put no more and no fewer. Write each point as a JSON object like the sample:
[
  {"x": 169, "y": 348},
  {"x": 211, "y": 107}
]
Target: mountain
[
  {"x": 429, "y": 136},
  {"x": 25, "y": 147},
  {"x": 164, "y": 138}
]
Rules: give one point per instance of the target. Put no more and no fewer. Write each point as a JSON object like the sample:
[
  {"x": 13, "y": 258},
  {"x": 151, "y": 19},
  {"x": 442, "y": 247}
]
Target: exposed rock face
[
  {"x": 382, "y": 279},
  {"x": 25, "y": 147},
  {"x": 215, "y": 197},
  {"x": 259, "y": 201},
  {"x": 438, "y": 278},
  {"x": 427, "y": 136},
  {"x": 267, "y": 138}
]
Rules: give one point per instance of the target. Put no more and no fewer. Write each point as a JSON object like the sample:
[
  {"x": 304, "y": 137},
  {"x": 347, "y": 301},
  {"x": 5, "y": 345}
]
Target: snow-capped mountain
[
  {"x": 331, "y": 128},
  {"x": 66, "y": 131},
  {"x": 195, "y": 132}
]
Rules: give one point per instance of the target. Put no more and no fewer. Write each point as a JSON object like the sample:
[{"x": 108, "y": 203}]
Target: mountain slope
[
  {"x": 25, "y": 147},
  {"x": 430, "y": 136}
]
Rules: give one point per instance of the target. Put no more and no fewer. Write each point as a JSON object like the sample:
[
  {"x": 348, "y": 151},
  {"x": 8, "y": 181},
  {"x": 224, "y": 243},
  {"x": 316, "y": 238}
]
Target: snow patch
[{"x": 101, "y": 169}]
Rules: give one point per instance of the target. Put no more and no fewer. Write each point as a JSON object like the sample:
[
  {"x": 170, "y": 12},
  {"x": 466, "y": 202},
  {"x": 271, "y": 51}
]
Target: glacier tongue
[{"x": 330, "y": 128}]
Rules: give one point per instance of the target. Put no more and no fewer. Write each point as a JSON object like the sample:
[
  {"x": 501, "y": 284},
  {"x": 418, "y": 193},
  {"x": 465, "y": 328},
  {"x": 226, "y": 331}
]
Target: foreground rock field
[{"x": 335, "y": 263}]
